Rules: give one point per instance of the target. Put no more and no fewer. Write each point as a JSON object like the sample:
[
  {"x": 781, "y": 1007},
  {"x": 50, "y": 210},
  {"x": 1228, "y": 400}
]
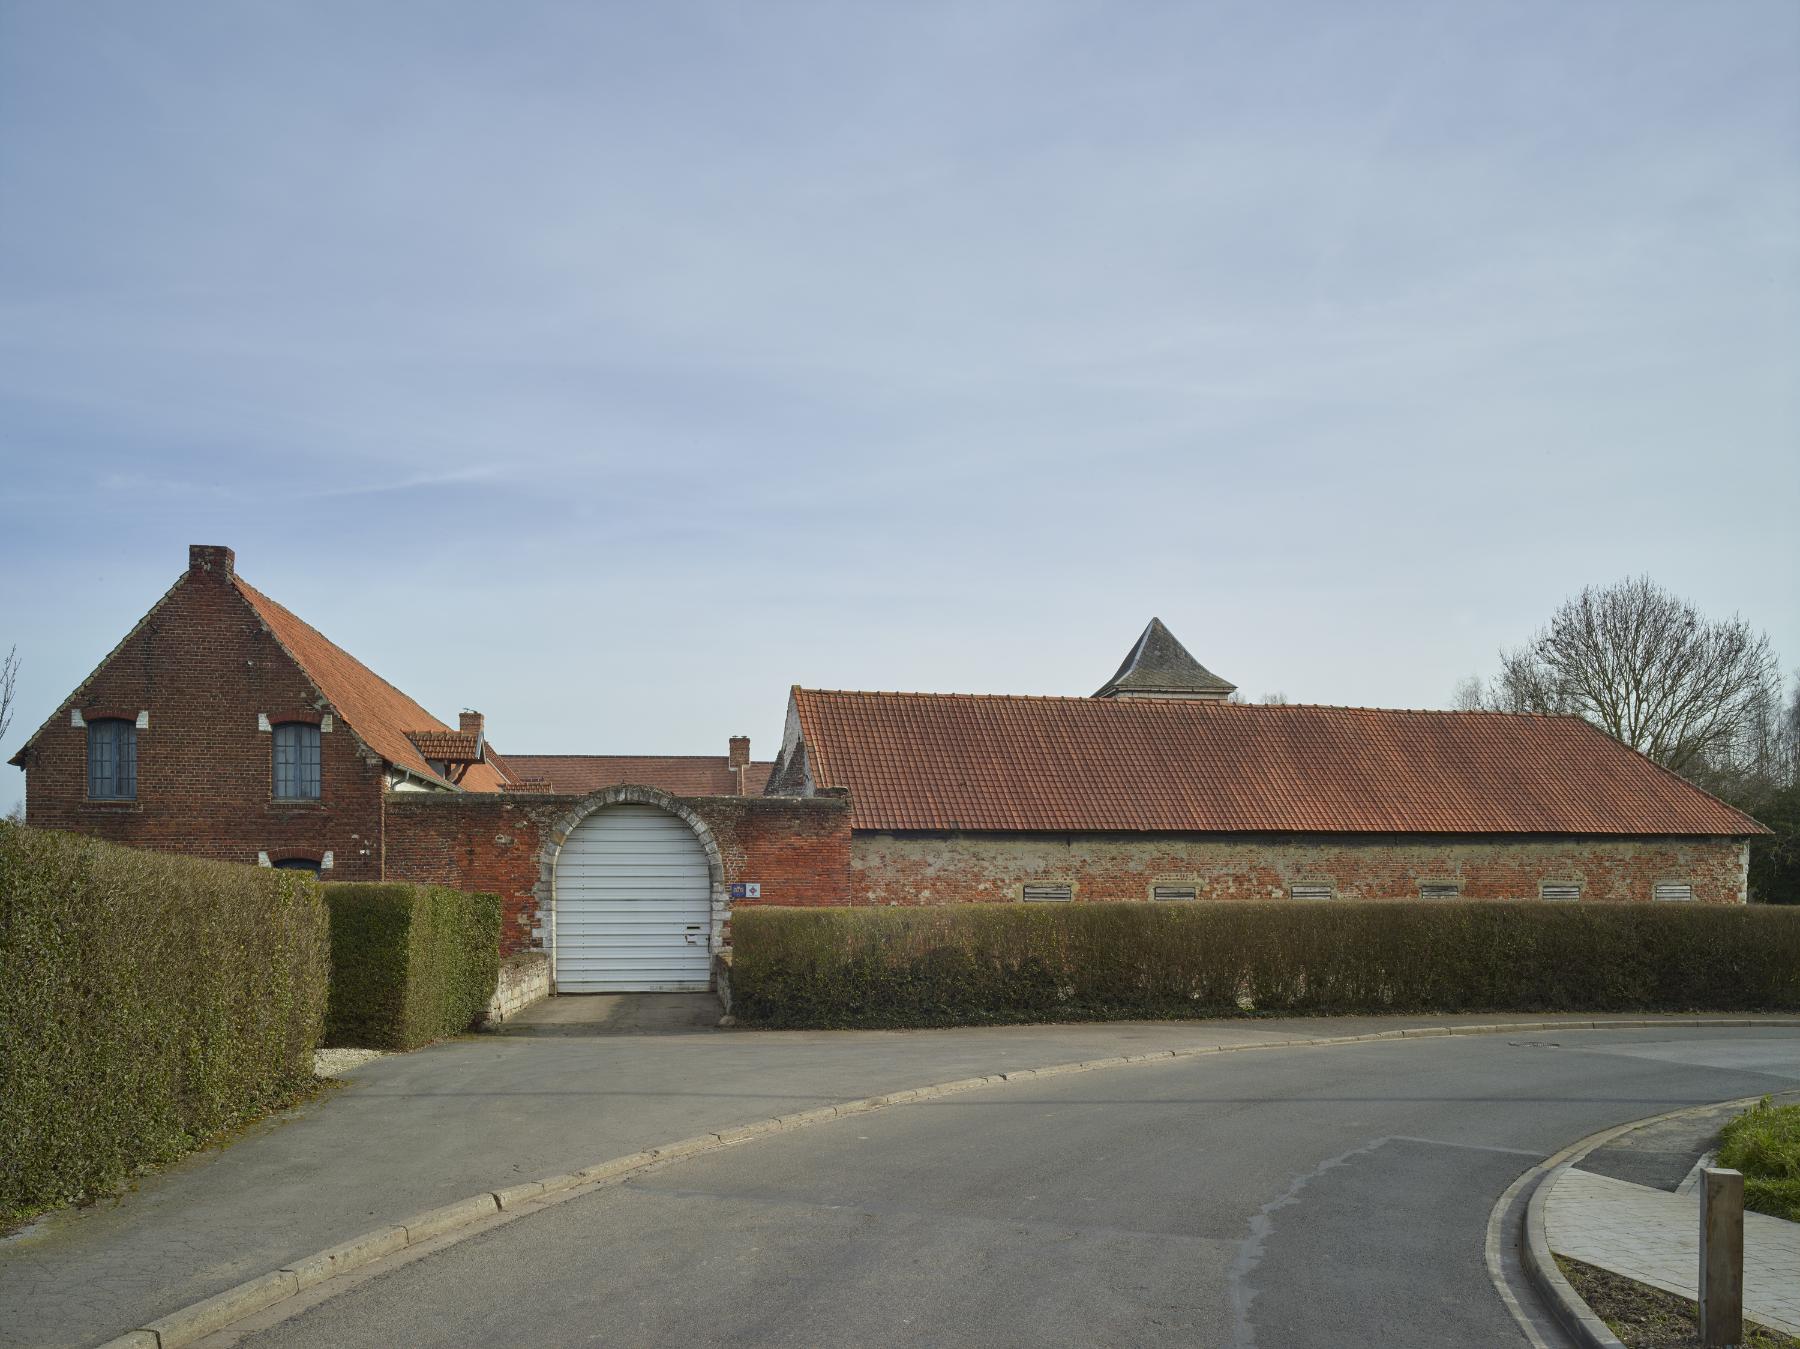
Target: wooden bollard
[{"x": 1721, "y": 1257}]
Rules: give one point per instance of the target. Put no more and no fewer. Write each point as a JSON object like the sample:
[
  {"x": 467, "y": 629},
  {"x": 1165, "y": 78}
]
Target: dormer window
[
  {"x": 296, "y": 761},
  {"x": 111, "y": 759}
]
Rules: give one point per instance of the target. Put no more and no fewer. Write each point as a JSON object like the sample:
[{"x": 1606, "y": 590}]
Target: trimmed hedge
[
  {"x": 409, "y": 963},
  {"x": 147, "y": 1004},
  {"x": 995, "y": 963}
]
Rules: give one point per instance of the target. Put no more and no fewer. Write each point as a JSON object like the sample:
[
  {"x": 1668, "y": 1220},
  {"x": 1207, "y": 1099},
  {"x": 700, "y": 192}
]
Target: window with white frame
[
  {"x": 1048, "y": 894},
  {"x": 1672, "y": 890},
  {"x": 296, "y": 761},
  {"x": 1559, "y": 890},
  {"x": 1440, "y": 890},
  {"x": 1312, "y": 891},
  {"x": 1167, "y": 893}
]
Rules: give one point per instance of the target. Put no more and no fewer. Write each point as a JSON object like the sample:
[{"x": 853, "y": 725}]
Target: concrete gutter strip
[
  {"x": 450, "y": 1217},
  {"x": 364, "y": 1249},
  {"x": 515, "y": 1195},
  {"x": 1576, "y": 1316},
  {"x": 207, "y": 1317},
  {"x": 234, "y": 1304}
]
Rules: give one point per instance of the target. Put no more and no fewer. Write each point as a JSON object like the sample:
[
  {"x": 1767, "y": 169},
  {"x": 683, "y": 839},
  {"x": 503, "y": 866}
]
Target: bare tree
[
  {"x": 1470, "y": 695},
  {"x": 1649, "y": 669},
  {"x": 1766, "y": 756},
  {"x": 9, "y": 680},
  {"x": 1273, "y": 700}
]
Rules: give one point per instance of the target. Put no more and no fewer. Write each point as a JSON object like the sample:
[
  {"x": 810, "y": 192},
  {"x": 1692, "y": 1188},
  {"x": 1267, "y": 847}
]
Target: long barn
[{"x": 226, "y": 726}]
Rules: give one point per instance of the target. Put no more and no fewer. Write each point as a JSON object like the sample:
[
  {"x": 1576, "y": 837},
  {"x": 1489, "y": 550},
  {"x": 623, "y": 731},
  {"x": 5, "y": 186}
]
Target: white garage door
[{"x": 633, "y": 905}]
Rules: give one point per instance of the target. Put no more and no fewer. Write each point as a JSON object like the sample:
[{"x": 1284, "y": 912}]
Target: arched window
[
  {"x": 296, "y": 761},
  {"x": 112, "y": 760}
]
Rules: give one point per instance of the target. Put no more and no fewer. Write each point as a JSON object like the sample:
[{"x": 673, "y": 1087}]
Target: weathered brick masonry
[
  {"x": 898, "y": 868},
  {"x": 798, "y": 851},
  {"x": 200, "y": 667}
]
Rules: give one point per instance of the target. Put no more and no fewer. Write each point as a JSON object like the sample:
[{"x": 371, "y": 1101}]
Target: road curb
[
  {"x": 211, "y": 1315},
  {"x": 1570, "y": 1309},
  {"x": 1576, "y": 1316}
]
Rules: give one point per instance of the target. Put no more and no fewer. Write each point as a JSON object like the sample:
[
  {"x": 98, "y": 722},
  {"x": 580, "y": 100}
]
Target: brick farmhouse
[{"x": 225, "y": 726}]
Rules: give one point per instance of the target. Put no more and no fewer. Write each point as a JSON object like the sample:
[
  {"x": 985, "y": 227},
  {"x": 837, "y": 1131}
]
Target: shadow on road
[{"x": 589, "y": 1014}]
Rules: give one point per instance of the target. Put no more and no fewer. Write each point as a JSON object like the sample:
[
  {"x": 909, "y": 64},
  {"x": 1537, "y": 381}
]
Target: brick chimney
[
  {"x": 739, "y": 761},
  {"x": 212, "y": 558},
  {"x": 471, "y": 721}
]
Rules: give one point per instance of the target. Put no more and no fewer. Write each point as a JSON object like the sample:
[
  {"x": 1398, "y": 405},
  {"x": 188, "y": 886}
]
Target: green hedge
[
  {"x": 993, "y": 963},
  {"x": 409, "y": 963},
  {"x": 147, "y": 1003}
]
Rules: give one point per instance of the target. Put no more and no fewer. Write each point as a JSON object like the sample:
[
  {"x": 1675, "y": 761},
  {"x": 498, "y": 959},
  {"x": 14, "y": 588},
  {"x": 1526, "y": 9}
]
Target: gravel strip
[{"x": 337, "y": 1062}]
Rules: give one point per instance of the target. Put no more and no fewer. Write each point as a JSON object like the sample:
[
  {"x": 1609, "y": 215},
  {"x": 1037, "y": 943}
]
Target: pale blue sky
[{"x": 611, "y": 367}]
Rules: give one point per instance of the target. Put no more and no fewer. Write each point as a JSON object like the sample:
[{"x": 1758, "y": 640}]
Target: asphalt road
[{"x": 1284, "y": 1199}]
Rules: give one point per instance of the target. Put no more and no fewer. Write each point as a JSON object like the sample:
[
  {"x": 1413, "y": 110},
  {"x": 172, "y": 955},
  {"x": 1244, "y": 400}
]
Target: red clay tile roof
[
  {"x": 373, "y": 708},
  {"x": 676, "y": 774},
  {"x": 450, "y": 746},
  {"x": 964, "y": 762}
]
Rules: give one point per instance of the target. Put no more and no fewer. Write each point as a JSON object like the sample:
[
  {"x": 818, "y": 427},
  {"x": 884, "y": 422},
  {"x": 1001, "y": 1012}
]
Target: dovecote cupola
[{"x": 1158, "y": 666}]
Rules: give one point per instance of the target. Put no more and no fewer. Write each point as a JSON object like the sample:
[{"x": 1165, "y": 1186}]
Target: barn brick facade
[{"x": 995, "y": 868}]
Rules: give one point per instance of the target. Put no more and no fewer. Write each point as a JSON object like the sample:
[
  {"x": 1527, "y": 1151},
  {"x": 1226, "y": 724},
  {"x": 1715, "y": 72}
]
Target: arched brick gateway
[{"x": 576, "y": 882}]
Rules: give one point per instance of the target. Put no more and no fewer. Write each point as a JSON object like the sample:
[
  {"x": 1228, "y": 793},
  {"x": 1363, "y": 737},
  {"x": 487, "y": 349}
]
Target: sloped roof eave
[
  {"x": 998, "y": 763},
  {"x": 366, "y": 723}
]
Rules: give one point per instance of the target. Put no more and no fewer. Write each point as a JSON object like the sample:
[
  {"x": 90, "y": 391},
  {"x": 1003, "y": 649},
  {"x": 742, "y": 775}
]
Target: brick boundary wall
[
  {"x": 992, "y": 868},
  {"x": 797, "y": 851}
]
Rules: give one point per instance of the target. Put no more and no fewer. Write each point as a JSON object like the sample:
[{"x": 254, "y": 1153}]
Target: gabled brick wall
[{"x": 202, "y": 666}]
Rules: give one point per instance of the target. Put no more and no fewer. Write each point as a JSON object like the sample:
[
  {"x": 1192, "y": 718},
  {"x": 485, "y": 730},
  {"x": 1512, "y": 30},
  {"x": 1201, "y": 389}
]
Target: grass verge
[
  {"x": 1764, "y": 1143},
  {"x": 1648, "y": 1318}
]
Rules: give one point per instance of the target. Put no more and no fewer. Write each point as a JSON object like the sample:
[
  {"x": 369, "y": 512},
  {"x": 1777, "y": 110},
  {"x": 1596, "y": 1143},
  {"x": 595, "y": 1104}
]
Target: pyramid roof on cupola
[{"x": 1158, "y": 666}]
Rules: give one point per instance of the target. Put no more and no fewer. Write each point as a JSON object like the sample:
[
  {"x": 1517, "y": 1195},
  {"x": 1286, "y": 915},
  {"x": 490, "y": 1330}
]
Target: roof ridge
[
  {"x": 514, "y": 754},
  {"x": 1188, "y": 703}
]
